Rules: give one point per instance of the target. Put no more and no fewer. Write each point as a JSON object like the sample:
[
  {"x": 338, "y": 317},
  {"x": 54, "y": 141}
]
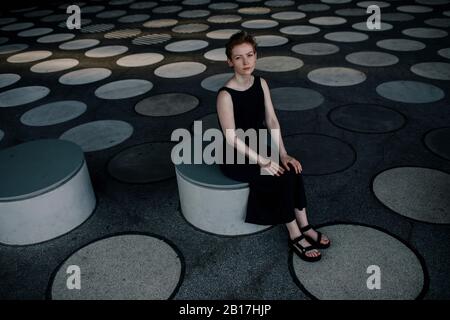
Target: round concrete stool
[
  {"x": 213, "y": 202},
  {"x": 45, "y": 191}
]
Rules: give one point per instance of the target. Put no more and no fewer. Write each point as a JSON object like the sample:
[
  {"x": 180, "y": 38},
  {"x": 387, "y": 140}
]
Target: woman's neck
[{"x": 243, "y": 81}]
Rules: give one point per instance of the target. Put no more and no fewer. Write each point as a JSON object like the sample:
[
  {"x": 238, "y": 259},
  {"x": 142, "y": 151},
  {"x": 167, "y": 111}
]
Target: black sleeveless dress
[{"x": 272, "y": 199}]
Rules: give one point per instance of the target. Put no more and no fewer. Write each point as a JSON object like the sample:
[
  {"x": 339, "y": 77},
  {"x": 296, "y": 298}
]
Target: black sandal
[
  {"x": 301, "y": 250},
  {"x": 315, "y": 243}
]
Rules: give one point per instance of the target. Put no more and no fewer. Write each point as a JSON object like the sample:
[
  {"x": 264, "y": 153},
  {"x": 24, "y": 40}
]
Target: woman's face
[{"x": 243, "y": 59}]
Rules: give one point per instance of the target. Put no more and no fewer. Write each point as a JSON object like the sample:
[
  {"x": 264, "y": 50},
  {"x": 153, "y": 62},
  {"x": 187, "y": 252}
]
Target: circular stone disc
[
  {"x": 17, "y": 26},
  {"x": 160, "y": 23},
  {"x": 167, "y": 9},
  {"x": 432, "y": 70},
  {"x": 111, "y": 14},
  {"x": 260, "y": 24},
  {"x": 313, "y": 7},
  {"x": 396, "y": 16},
  {"x": 186, "y": 45},
  {"x": 327, "y": 21},
  {"x": 85, "y": 76},
  {"x": 216, "y": 55},
  {"x": 288, "y": 15},
  {"x": 122, "y": 34},
  {"x": 192, "y": 14},
  {"x": 426, "y": 33},
  {"x": 22, "y": 95},
  {"x": 223, "y": 6},
  {"x": 53, "y": 113},
  {"x": 346, "y": 36},
  {"x": 29, "y": 56},
  {"x": 106, "y": 51},
  {"x": 372, "y": 58},
  {"x": 309, "y": 150},
  {"x": 134, "y": 18},
  {"x": 79, "y": 44},
  {"x": 410, "y": 91},
  {"x": 54, "y": 65},
  {"x": 140, "y": 59},
  {"x": 438, "y": 22},
  {"x": 417, "y": 193},
  {"x": 222, "y": 33},
  {"x": 343, "y": 276},
  {"x": 336, "y": 76},
  {"x": 12, "y": 48},
  {"x": 351, "y": 12},
  {"x": 225, "y": 18},
  {"x": 437, "y": 141},
  {"x": 97, "y": 28},
  {"x": 278, "y": 64},
  {"x": 99, "y": 135},
  {"x": 180, "y": 69},
  {"x": 57, "y": 37},
  {"x": 380, "y": 4},
  {"x": 144, "y": 5},
  {"x": 444, "y": 53},
  {"x": 270, "y": 41},
  {"x": 167, "y": 104},
  {"x": 7, "y": 79},
  {"x": 35, "y": 32},
  {"x": 414, "y": 9},
  {"x": 295, "y": 98},
  {"x": 366, "y": 118},
  {"x": 215, "y": 82},
  {"x": 150, "y": 39},
  {"x": 315, "y": 48},
  {"x": 362, "y": 26},
  {"x": 190, "y": 28},
  {"x": 400, "y": 45},
  {"x": 299, "y": 30},
  {"x": 127, "y": 266},
  {"x": 123, "y": 89},
  {"x": 279, "y": 3},
  {"x": 144, "y": 163}
]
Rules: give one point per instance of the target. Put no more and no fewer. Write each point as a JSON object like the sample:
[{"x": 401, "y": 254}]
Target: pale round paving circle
[
  {"x": 215, "y": 82},
  {"x": 140, "y": 59},
  {"x": 29, "y": 56},
  {"x": 288, "y": 15},
  {"x": 309, "y": 148},
  {"x": 380, "y": 4},
  {"x": 22, "y": 95},
  {"x": 53, "y": 113},
  {"x": 362, "y": 26},
  {"x": 123, "y": 89},
  {"x": 160, "y": 23},
  {"x": 438, "y": 22},
  {"x": 111, "y": 14},
  {"x": 343, "y": 276},
  {"x": 444, "y": 53},
  {"x": 180, "y": 69},
  {"x": 335, "y": 1},
  {"x": 167, "y": 104},
  {"x": 190, "y": 28},
  {"x": 346, "y": 36},
  {"x": 54, "y": 65},
  {"x": 259, "y": 24},
  {"x": 278, "y": 64},
  {"x": 372, "y": 58},
  {"x": 427, "y": 33},
  {"x": 167, "y": 9},
  {"x": 270, "y": 40},
  {"x": 216, "y": 55},
  {"x": 315, "y": 48},
  {"x": 400, "y": 45},
  {"x": 192, "y": 14},
  {"x": 195, "y": 2},
  {"x": 414, "y": 9},
  {"x": 7, "y": 79},
  {"x": 366, "y": 118},
  {"x": 12, "y": 48},
  {"x": 295, "y": 98},
  {"x": 84, "y": 76},
  {"x": 415, "y": 192},
  {"x": 313, "y": 7},
  {"x": 222, "y": 34},
  {"x": 83, "y": 23},
  {"x": 99, "y": 135},
  {"x": 143, "y": 163},
  {"x": 432, "y": 70},
  {"x": 122, "y": 34},
  {"x": 279, "y": 3},
  {"x": 254, "y": 10},
  {"x": 35, "y": 32},
  {"x": 223, "y": 6},
  {"x": 433, "y": 2},
  {"x": 106, "y": 51},
  {"x": 396, "y": 16},
  {"x": 97, "y": 28},
  {"x": 55, "y": 18},
  {"x": 17, "y": 26},
  {"x": 144, "y": 5},
  {"x": 122, "y": 267},
  {"x": 224, "y": 18},
  {"x": 410, "y": 91},
  {"x": 134, "y": 18},
  {"x": 150, "y": 39},
  {"x": 120, "y": 2},
  {"x": 327, "y": 21},
  {"x": 336, "y": 76},
  {"x": 79, "y": 44},
  {"x": 352, "y": 12},
  {"x": 58, "y": 37},
  {"x": 299, "y": 30},
  {"x": 92, "y": 9},
  {"x": 436, "y": 141},
  {"x": 186, "y": 45},
  {"x": 7, "y": 20}
]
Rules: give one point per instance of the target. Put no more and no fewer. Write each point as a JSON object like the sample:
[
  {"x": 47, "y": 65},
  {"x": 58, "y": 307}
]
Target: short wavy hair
[{"x": 237, "y": 39}]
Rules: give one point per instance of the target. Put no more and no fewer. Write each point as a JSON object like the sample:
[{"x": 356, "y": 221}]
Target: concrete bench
[{"x": 45, "y": 191}]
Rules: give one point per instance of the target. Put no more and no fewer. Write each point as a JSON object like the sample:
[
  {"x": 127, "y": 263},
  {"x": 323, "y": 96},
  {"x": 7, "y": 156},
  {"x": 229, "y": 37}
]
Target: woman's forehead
[{"x": 242, "y": 48}]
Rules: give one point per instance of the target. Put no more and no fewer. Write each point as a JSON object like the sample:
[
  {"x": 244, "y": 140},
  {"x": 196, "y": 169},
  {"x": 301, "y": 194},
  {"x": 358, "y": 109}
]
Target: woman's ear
[{"x": 230, "y": 63}]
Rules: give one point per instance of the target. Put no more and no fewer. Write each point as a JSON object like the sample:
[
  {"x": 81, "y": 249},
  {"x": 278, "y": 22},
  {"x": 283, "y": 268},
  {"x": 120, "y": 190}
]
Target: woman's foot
[
  {"x": 315, "y": 237},
  {"x": 303, "y": 248}
]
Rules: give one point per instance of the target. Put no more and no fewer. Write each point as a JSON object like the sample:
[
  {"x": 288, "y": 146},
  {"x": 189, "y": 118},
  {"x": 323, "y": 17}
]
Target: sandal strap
[
  {"x": 319, "y": 237},
  {"x": 298, "y": 239},
  {"x": 305, "y": 228},
  {"x": 304, "y": 249}
]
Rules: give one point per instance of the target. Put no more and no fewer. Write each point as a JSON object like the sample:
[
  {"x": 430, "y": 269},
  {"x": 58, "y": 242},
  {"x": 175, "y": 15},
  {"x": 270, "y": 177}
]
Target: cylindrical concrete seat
[
  {"x": 45, "y": 191},
  {"x": 213, "y": 202}
]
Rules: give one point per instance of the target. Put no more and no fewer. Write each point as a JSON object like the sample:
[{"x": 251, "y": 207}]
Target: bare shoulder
[
  {"x": 224, "y": 98},
  {"x": 264, "y": 84}
]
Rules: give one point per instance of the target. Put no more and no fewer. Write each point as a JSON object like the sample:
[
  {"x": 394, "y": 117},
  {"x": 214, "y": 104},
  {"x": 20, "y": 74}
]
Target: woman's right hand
[{"x": 270, "y": 167}]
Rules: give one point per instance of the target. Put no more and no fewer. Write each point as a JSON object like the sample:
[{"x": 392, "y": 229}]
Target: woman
[{"x": 277, "y": 197}]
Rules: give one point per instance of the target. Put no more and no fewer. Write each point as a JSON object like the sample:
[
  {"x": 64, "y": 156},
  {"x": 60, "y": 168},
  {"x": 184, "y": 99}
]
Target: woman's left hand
[{"x": 286, "y": 159}]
